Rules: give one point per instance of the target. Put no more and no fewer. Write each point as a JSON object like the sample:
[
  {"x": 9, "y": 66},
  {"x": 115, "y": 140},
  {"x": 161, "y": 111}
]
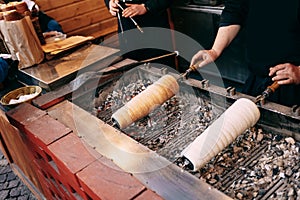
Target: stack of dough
[
  {"x": 240, "y": 116},
  {"x": 142, "y": 104}
]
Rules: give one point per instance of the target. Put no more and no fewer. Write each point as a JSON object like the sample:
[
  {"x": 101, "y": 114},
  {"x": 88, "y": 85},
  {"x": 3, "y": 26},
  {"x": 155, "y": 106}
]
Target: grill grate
[{"x": 257, "y": 165}]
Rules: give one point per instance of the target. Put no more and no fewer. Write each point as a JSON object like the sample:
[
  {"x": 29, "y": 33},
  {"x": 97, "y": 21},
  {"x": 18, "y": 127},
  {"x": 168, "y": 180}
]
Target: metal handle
[
  {"x": 266, "y": 93},
  {"x": 193, "y": 67},
  {"x": 274, "y": 86},
  {"x": 136, "y": 24}
]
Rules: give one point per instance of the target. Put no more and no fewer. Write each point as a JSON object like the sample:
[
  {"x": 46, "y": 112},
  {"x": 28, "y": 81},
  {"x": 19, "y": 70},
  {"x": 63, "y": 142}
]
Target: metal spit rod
[
  {"x": 136, "y": 24},
  {"x": 260, "y": 98},
  {"x": 189, "y": 70},
  {"x": 192, "y": 68},
  {"x": 267, "y": 92},
  {"x": 120, "y": 22}
]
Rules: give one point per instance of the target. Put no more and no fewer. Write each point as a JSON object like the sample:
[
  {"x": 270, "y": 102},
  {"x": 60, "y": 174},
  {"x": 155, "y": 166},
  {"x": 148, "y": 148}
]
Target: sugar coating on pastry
[{"x": 240, "y": 116}]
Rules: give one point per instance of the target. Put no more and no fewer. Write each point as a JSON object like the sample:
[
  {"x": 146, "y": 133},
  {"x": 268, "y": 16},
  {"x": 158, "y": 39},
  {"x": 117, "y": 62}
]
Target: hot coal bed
[{"x": 259, "y": 164}]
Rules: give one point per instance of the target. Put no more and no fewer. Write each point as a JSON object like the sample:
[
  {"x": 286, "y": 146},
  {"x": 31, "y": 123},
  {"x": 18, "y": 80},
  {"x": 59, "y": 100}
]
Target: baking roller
[
  {"x": 241, "y": 115},
  {"x": 146, "y": 101}
]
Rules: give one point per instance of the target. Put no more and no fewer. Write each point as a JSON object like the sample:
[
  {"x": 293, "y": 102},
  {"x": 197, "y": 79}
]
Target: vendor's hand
[
  {"x": 113, "y": 7},
  {"x": 285, "y": 74},
  {"x": 133, "y": 10},
  {"x": 204, "y": 57}
]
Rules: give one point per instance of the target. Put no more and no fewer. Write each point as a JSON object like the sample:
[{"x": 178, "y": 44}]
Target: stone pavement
[{"x": 11, "y": 187}]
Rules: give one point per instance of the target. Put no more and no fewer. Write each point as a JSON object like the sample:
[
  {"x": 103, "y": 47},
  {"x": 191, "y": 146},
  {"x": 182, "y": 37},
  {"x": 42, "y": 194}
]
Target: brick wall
[{"x": 68, "y": 168}]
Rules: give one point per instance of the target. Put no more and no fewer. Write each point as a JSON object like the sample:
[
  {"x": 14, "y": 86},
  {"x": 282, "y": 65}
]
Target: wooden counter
[{"x": 56, "y": 72}]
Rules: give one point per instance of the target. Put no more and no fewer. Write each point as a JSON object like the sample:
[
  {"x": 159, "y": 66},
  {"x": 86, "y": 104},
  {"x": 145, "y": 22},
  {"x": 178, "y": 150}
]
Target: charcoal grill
[{"x": 262, "y": 163}]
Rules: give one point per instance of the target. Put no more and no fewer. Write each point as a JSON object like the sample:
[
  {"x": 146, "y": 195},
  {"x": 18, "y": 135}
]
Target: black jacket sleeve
[
  {"x": 107, "y": 3},
  {"x": 154, "y": 6},
  {"x": 235, "y": 12}
]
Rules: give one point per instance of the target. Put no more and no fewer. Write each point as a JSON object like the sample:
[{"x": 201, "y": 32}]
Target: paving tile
[
  {"x": 4, "y": 194},
  {"x": 11, "y": 187},
  {"x": 101, "y": 181}
]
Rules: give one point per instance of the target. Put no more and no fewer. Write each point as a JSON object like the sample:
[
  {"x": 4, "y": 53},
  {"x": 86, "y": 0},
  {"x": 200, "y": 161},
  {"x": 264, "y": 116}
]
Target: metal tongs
[{"x": 136, "y": 24}]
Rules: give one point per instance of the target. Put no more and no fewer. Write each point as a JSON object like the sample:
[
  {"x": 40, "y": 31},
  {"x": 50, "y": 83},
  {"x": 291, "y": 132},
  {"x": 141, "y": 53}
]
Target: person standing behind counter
[
  {"x": 272, "y": 45},
  {"x": 46, "y": 22},
  {"x": 146, "y": 13}
]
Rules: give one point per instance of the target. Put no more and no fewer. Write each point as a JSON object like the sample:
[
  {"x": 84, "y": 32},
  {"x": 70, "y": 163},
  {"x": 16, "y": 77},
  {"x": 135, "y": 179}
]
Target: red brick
[
  {"x": 51, "y": 187},
  {"x": 92, "y": 151},
  {"x": 66, "y": 189},
  {"x": 45, "y": 185},
  {"x": 50, "y": 167},
  {"x": 101, "y": 181},
  {"x": 148, "y": 195},
  {"x": 24, "y": 114},
  {"x": 45, "y": 131},
  {"x": 70, "y": 155},
  {"x": 37, "y": 152},
  {"x": 54, "y": 187},
  {"x": 75, "y": 191}
]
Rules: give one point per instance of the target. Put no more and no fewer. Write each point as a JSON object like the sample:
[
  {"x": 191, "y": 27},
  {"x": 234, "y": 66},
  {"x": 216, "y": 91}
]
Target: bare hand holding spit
[
  {"x": 286, "y": 73},
  {"x": 134, "y": 10},
  {"x": 204, "y": 57},
  {"x": 113, "y": 7},
  {"x": 130, "y": 11}
]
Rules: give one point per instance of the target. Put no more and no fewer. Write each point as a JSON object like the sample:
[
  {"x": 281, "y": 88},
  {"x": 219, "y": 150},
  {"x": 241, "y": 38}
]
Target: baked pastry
[
  {"x": 240, "y": 116},
  {"x": 149, "y": 99}
]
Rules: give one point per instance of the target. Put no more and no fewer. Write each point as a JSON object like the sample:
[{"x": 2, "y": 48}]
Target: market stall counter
[
  {"x": 60, "y": 70},
  {"x": 49, "y": 144}
]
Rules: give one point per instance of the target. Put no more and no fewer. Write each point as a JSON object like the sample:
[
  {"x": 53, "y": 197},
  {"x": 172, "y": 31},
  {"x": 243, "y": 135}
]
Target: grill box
[{"x": 208, "y": 2}]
